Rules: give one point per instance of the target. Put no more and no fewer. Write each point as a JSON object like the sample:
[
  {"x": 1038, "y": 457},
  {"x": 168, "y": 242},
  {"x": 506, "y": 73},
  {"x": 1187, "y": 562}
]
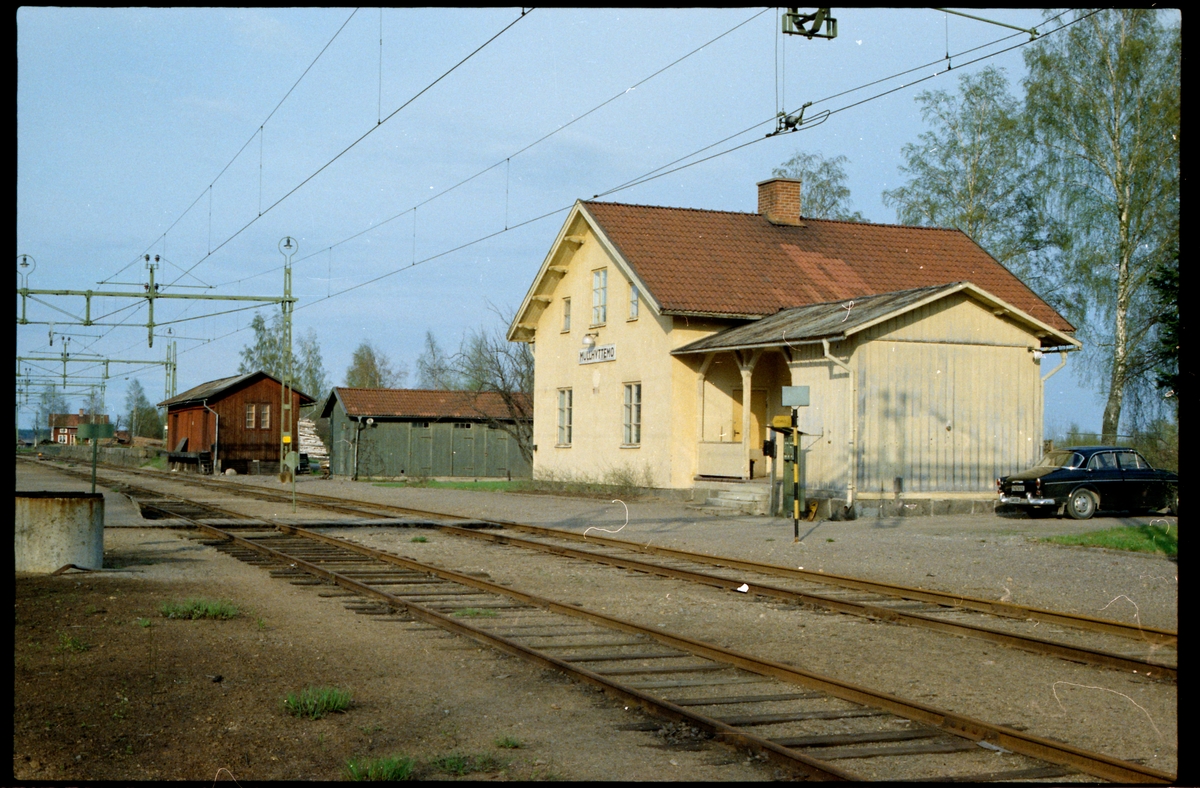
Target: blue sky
[{"x": 130, "y": 123}]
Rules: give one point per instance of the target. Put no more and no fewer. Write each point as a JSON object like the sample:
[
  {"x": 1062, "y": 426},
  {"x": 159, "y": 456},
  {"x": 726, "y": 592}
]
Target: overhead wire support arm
[{"x": 1033, "y": 33}]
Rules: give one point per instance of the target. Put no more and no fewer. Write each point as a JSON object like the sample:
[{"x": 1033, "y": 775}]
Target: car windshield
[{"x": 1061, "y": 459}]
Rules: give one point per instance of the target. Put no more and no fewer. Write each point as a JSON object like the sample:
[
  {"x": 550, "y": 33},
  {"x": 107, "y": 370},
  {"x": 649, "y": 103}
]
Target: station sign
[{"x": 598, "y": 354}]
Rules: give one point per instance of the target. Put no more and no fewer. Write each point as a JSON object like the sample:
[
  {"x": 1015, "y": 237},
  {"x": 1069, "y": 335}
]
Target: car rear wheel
[
  {"x": 1173, "y": 506},
  {"x": 1082, "y": 504}
]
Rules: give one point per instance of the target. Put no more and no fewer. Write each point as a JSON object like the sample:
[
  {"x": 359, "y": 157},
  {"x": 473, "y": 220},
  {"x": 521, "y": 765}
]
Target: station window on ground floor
[
  {"x": 564, "y": 417},
  {"x": 633, "y": 414}
]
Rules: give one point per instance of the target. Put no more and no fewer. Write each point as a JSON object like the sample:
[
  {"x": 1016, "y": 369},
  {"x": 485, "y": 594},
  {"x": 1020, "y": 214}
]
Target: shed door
[{"x": 464, "y": 448}]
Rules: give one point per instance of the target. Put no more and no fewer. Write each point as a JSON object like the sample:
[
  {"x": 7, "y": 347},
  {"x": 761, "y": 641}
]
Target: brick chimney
[{"x": 779, "y": 201}]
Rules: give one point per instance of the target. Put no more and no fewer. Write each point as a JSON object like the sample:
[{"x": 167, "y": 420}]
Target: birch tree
[{"x": 1102, "y": 107}]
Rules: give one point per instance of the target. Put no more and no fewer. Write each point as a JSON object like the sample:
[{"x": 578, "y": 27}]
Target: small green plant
[
  {"x": 474, "y": 612},
  {"x": 316, "y": 702},
  {"x": 508, "y": 743},
  {"x": 262, "y": 624},
  {"x": 399, "y": 767},
  {"x": 828, "y": 540},
  {"x": 459, "y": 764},
  {"x": 198, "y": 608},
  {"x": 419, "y": 539},
  {"x": 69, "y": 643},
  {"x": 145, "y": 623}
]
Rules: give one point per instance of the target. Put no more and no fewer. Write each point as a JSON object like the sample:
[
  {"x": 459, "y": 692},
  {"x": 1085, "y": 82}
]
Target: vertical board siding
[
  {"x": 829, "y": 414},
  {"x": 910, "y": 392}
]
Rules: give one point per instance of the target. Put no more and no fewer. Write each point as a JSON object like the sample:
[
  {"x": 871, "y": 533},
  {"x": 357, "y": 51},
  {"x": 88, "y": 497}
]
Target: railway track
[
  {"x": 1149, "y": 651},
  {"x": 815, "y": 722}
]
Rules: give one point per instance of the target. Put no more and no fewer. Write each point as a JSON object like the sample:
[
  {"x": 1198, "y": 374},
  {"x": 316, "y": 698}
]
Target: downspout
[
  {"x": 216, "y": 435},
  {"x": 853, "y": 486},
  {"x": 1050, "y": 374}
]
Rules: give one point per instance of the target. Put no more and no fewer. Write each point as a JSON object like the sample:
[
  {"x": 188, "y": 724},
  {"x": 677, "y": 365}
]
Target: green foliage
[
  {"x": 459, "y": 764},
  {"x": 475, "y": 612},
  {"x": 371, "y": 369},
  {"x": 315, "y": 702},
  {"x": 1155, "y": 537},
  {"x": 1158, "y": 443},
  {"x": 199, "y": 608},
  {"x": 420, "y": 539},
  {"x": 397, "y": 767},
  {"x": 267, "y": 352},
  {"x": 1102, "y": 110},
  {"x": 508, "y": 743},
  {"x": 970, "y": 171},
  {"x": 70, "y": 644},
  {"x": 823, "y": 190},
  {"x": 142, "y": 417}
]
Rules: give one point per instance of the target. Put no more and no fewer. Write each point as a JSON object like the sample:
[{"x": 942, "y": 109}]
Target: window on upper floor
[
  {"x": 264, "y": 420},
  {"x": 599, "y": 296},
  {"x": 250, "y": 411},
  {"x": 633, "y": 301},
  {"x": 566, "y": 324}
]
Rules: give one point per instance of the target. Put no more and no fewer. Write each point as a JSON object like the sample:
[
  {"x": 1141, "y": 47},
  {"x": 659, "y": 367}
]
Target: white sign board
[{"x": 598, "y": 354}]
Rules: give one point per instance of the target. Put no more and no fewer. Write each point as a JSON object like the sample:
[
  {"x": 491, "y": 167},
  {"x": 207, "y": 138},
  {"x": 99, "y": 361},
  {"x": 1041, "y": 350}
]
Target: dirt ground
[{"x": 153, "y": 698}]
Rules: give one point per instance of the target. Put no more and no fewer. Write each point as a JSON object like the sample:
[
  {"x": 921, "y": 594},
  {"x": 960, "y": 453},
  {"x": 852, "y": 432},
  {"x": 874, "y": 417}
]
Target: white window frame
[
  {"x": 632, "y": 414},
  {"x": 599, "y": 296},
  {"x": 565, "y": 402},
  {"x": 264, "y": 419},
  {"x": 251, "y": 415},
  {"x": 634, "y": 301},
  {"x": 566, "y": 321}
]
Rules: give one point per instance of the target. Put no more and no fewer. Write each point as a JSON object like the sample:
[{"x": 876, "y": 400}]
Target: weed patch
[
  {"x": 419, "y": 539},
  {"x": 198, "y": 608},
  {"x": 70, "y": 644},
  {"x": 386, "y": 769},
  {"x": 316, "y": 702},
  {"x": 459, "y": 764},
  {"x": 475, "y": 612},
  {"x": 507, "y": 743}
]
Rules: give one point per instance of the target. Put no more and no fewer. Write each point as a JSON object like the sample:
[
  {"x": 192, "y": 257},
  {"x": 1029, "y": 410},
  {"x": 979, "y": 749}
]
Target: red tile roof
[
  {"x": 723, "y": 263},
  {"x": 421, "y": 404},
  {"x": 73, "y": 420}
]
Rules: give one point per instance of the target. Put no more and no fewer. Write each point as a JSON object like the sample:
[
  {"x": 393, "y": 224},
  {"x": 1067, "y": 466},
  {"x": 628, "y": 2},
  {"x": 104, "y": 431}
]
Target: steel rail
[
  {"x": 963, "y": 726},
  {"x": 1096, "y": 764},
  {"x": 861, "y": 608}
]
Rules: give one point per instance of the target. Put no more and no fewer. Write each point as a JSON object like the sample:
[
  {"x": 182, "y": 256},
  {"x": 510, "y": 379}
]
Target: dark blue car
[{"x": 1080, "y": 480}]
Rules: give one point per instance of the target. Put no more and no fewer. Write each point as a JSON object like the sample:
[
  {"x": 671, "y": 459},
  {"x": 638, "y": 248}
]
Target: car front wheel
[{"x": 1082, "y": 504}]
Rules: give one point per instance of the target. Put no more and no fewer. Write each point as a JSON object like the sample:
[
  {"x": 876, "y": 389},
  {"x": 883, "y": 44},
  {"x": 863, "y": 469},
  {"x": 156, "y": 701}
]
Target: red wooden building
[
  {"x": 230, "y": 423},
  {"x": 64, "y": 427}
]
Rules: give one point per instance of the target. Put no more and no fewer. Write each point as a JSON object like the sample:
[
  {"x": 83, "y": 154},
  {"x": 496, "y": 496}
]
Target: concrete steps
[{"x": 736, "y": 499}]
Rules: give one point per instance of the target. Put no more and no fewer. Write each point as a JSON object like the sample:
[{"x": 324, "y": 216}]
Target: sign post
[
  {"x": 795, "y": 397},
  {"x": 291, "y": 461},
  {"x": 94, "y": 432}
]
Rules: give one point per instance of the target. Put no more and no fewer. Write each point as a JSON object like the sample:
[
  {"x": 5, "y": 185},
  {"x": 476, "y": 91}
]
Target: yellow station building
[{"x": 662, "y": 338}]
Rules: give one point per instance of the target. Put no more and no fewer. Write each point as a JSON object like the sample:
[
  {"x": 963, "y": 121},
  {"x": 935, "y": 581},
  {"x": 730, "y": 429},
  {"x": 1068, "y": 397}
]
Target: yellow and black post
[{"x": 795, "y": 474}]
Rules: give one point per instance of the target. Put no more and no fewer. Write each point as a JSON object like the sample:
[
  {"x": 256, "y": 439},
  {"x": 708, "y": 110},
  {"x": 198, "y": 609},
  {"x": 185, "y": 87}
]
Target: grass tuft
[
  {"x": 508, "y": 743},
  {"x": 72, "y": 644},
  {"x": 316, "y": 702},
  {"x": 399, "y": 767},
  {"x": 475, "y": 612},
  {"x": 419, "y": 539},
  {"x": 198, "y": 608},
  {"x": 459, "y": 764},
  {"x": 1149, "y": 538}
]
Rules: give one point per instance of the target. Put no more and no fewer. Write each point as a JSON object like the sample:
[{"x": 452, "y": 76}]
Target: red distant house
[
  {"x": 230, "y": 423},
  {"x": 64, "y": 427}
]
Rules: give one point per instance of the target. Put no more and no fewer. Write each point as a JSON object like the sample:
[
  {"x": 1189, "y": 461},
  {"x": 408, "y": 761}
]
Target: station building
[{"x": 662, "y": 338}]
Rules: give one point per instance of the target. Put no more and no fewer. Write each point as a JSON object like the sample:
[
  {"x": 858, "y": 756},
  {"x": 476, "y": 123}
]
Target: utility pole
[{"x": 288, "y": 248}]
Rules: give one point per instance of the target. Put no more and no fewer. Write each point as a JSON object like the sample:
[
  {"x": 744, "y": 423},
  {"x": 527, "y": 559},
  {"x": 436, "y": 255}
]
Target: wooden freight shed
[
  {"x": 230, "y": 423},
  {"x": 413, "y": 432}
]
